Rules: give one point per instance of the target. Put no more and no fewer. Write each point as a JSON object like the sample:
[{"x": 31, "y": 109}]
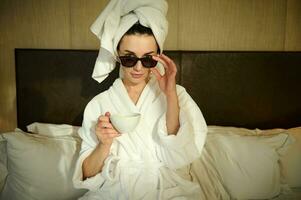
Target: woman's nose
[{"x": 138, "y": 66}]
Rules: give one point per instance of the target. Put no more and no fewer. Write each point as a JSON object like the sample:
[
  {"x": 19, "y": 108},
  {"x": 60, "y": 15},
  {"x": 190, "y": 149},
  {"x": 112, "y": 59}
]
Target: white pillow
[
  {"x": 231, "y": 130},
  {"x": 40, "y": 167},
  {"x": 53, "y": 130},
  {"x": 248, "y": 165},
  {"x": 291, "y": 161},
  {"x": 3, "y": 162}
]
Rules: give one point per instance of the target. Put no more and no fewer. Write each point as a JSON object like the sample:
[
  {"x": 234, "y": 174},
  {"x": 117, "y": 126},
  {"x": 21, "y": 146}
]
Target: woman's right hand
[{"x": 105, "y": 131}]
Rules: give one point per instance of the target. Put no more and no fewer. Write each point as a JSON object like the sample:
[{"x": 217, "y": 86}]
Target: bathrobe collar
[{"x": 123, "y": 102}]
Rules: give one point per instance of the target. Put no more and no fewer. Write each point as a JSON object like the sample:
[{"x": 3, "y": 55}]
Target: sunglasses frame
[{"x": 142, "y": 60}]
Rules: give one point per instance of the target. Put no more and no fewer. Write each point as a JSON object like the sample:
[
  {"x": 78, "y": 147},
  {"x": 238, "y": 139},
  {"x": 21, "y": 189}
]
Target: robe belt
[{"x": 113, "y": 164}]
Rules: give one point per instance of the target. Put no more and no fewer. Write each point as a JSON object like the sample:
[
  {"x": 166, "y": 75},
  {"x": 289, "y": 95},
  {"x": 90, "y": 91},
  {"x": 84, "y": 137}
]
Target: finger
[
  {"x": 107, "y": 132},
  {"x": 103, "y": 118},
  {"x": 114, "y": 128},
  {"x": 105, "y": 125},
  {"x": 169, "y": 69},
  {"x": 157, "y": 73},
  {"x": 170, "y": 62},
  {"x": 169, "y": 65},
  {"x": 157, "y": 58},
  {"x": 108, "y": 114},
  {"x": 103, "y": 130},
  {"x": 113, "y": 135},
  {"x": 100, "y": 126},
  {"x": 166, "y": 58}
]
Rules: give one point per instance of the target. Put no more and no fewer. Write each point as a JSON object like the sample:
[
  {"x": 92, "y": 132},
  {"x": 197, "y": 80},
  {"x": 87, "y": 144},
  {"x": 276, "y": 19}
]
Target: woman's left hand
[{"x": 167, "y": 82}]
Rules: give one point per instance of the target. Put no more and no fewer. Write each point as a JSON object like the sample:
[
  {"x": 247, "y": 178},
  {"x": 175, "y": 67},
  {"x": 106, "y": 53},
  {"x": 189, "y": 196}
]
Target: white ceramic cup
[{"x": 125, "y": 123}]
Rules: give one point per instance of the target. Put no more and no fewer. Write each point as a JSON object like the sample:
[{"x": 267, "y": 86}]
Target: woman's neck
[
  {"x": 134, "y": 87},
  {"x": 134, "y": 90}
]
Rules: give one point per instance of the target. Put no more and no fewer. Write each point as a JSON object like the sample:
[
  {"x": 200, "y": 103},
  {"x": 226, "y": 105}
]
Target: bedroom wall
[{"x": 273, "y": 25}]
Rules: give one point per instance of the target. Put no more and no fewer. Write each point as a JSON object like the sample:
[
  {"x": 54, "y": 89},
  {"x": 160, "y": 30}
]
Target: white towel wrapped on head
[{"x": 116, "y": 19}]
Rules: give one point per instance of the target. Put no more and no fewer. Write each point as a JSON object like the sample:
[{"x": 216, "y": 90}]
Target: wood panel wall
[{"x": 273, "y": 25}]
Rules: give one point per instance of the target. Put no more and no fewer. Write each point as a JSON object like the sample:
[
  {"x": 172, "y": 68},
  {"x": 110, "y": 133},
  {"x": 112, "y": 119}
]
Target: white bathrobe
[{"x": 142, "y": 164}]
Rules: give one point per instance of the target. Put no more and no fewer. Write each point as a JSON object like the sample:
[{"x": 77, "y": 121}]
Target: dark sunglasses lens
[
  {"x": 128, "y": 61},
  {"x": 148, "y": 62}
]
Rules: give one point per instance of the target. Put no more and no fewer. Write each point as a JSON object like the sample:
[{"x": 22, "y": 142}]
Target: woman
[{"x": 171, "y": 133}]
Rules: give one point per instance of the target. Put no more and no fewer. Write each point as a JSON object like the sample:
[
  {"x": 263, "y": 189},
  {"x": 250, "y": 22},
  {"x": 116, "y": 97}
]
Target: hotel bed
[{"x": 250, "y": 100}]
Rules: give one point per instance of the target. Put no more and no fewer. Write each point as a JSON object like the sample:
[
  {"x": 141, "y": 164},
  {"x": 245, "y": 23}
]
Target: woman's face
[{"x": 137, "y": 45}]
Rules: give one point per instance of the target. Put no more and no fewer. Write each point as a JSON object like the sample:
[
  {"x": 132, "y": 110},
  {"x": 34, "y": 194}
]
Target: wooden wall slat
[
  {"x": 232, "y": 25},
  {"x": 41, "y": 24},
  {"x": 171, "y": 42},
  {"x": 83, "y": 14},
  {"x": 293, "y": 26},
  {"x": 27, "y": 24},
  {"x": 8, "y": 108}
]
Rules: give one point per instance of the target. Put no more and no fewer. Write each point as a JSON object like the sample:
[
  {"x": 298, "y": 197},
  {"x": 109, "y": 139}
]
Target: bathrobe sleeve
[
  {"x": 89, "y": 142},
  {"x": 181, "y": 149}
]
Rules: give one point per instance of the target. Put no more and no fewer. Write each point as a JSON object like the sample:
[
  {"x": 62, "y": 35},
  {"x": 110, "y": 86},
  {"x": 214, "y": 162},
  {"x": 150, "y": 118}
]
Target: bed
[{"x": 249, "y": 100}]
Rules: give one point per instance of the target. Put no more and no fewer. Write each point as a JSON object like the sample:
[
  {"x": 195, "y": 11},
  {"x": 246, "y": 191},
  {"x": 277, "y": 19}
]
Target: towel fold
[{"x": 116, "y": 19}]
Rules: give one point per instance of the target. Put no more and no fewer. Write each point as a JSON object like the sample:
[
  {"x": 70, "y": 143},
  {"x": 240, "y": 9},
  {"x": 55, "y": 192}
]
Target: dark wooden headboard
[{"x": 243, "y": 89}]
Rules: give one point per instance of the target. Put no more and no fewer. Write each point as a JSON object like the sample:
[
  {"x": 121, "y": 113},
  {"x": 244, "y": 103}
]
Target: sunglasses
[{"x": 130, "y": 61}]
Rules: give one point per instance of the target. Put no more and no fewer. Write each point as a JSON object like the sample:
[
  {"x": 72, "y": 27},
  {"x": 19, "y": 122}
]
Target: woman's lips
[{"x": 136, "y": 75}]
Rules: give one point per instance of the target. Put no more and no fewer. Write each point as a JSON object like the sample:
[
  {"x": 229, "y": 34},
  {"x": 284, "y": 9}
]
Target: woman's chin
[{"x": 137, "y": 80}]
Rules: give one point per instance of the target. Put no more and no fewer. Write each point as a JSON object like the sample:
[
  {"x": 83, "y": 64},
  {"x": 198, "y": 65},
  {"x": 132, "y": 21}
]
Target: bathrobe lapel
[
  {"x": 150, "y": 105},
  {"x": 123, "y": 103},
  {"x": 120, "y": 98}
]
